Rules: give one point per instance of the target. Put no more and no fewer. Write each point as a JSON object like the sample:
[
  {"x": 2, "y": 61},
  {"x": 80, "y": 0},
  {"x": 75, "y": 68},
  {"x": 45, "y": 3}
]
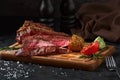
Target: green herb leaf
[
  {"x": 8, "y": 48},
  {"x": 84, "y": 56},
  {"x": 94, "y": 56}
]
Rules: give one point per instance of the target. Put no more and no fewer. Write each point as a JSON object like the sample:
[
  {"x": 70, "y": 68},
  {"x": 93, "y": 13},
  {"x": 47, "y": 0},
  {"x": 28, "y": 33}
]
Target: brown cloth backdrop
[{"x": 101, "y": 19}]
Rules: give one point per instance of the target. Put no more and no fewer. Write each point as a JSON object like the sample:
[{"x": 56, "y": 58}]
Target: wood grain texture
[{"x": 68, "y": 60}]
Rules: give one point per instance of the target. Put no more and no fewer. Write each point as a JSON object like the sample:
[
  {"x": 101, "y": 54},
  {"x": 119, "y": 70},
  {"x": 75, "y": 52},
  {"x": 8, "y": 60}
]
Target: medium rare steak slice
[
  {"x": 30, "y": 28},
  {"x": 60, "y": 41},
  {"x": 38, "y": 46},
  {"x": 39, "y": 39}
]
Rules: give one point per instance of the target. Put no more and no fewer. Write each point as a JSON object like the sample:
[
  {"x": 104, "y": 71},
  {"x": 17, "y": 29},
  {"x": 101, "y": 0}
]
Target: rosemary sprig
[
  {"x": 8, "y": 48},
  {"x": 96, "y": 55},
  {"x": 84, "y": 56},
  {"x": 93, "y": 57}
]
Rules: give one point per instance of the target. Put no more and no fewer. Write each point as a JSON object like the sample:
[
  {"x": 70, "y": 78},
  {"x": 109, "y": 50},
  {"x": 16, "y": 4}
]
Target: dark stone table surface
[{"x": 15, "y": 70}]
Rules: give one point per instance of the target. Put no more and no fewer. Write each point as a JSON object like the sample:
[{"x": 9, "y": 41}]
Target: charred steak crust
[
  {"x": 33, "y": 25},
  {"x": 39, "y": 39},
  {"x": 30, "y": 28}
]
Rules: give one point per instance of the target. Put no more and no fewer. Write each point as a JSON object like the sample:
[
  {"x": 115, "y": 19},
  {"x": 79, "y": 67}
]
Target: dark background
[
  {"x": 14, "y": 12},
  {"x": 12, "y": 15}
]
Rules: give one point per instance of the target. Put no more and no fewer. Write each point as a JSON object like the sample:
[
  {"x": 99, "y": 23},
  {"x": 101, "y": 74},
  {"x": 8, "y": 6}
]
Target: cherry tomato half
[{"x": 90, "y": 48}]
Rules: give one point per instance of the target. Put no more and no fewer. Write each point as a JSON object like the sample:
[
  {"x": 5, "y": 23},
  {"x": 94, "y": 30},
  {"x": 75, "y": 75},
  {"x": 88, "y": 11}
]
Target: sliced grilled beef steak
[
  {"x": 60, "y": 41},
  {"x": 30, "y": 28},
  {"x": 39, "y": 39},
  {"x": 38, "y": 46}
]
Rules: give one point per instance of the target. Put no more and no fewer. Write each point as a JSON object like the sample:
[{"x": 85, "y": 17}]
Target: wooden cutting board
[{"x": 68, "y": 60}]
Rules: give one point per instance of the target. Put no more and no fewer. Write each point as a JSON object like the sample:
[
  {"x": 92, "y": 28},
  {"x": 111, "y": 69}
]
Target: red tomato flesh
[{"x": 90, "y": 49}]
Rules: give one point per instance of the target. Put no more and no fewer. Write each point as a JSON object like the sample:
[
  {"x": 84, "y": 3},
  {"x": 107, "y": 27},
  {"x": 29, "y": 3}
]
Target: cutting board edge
[{"x": 58, "y": 62}]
